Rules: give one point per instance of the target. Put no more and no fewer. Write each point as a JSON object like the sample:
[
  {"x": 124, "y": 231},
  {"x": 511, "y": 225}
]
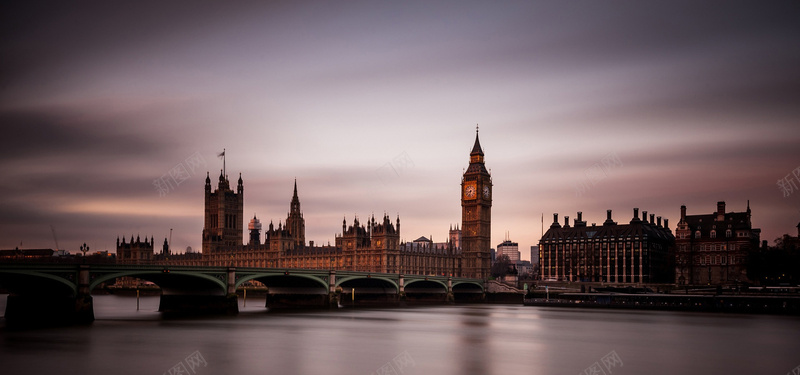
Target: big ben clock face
[
  {"x": 470, "y": 191},
  {"x": 486, "y": 192}
]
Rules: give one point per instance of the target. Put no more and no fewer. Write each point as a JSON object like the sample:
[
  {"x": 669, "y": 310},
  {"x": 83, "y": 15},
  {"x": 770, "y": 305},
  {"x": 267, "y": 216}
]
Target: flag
[{"x": 222, "y": 154}]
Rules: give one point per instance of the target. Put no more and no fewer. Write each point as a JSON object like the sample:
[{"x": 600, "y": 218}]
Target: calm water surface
[{"x": 476, "y": 339}]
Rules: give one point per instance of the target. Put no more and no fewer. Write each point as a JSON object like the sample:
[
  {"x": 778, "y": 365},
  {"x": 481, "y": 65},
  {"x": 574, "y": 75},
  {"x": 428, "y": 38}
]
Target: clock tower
[{"x": 476, "y": 216}]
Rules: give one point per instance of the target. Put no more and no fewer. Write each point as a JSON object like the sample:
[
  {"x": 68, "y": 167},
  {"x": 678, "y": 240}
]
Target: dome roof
[{"x": 254, "y": 224}]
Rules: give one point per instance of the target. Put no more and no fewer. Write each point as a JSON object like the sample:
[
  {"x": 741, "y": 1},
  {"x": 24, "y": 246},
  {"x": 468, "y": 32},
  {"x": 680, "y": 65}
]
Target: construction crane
[{"x": 52, "y": 229}]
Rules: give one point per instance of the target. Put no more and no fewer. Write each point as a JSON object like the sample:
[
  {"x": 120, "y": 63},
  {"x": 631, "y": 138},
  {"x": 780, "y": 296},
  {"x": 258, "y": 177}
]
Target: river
[{"x": 461, "y": 339}]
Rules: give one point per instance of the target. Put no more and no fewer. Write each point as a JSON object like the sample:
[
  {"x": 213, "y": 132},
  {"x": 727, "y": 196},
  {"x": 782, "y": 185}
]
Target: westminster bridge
[{"x": 62, "y": 294}]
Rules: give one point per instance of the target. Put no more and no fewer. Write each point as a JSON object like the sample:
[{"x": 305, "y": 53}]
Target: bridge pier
[
  {"x": 401, "y": 295},
  {"x": 178, "y": 302},
  {"x": 84, "y": 304},
  {"x": 183, "y": 304},
  {"x": 333, "y": 297},
  {"x": 451, "y": 298},
  {"x": 42, "y": 307}
]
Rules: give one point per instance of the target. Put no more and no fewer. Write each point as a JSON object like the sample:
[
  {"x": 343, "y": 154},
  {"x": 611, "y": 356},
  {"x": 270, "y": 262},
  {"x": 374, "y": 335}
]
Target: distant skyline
[{"x": 372, "y": 107}]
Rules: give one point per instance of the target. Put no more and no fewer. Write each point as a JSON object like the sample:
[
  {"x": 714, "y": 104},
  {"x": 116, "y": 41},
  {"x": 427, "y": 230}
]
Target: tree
[{"x": 500, "y": 266}]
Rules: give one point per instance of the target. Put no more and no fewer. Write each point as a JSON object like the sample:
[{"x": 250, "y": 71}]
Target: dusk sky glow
[{"x": 697, "y": 102}]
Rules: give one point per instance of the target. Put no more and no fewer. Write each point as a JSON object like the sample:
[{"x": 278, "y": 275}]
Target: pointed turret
[
  {"x": 294, "y": 207},
  {"x": 476, "y": 149},
  {"x": 295, "y": 222},
  {"x": 165, "y": 247}
]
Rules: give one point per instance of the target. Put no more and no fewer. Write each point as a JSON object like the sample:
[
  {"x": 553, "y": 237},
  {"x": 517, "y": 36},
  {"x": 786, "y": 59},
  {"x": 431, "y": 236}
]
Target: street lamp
[{"x": 84, "y": 249}]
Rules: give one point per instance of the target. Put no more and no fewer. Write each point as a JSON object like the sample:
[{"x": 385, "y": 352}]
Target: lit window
[{"x": 713, "y": 234}]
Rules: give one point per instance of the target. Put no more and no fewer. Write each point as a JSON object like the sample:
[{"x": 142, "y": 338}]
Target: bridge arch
[
  {"x": 169, "y": 280},
  {"x": 467, "y": 286},
  {"x": 282, "y": 278},
  {"x": 378, "y": 282},
  {"x": 422, "y": 282},
  {"x": 27, "y": 280}
]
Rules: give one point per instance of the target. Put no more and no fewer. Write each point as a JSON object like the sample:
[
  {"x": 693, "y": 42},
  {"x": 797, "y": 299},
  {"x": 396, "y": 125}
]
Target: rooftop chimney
[
  {"x": 555, "y": 222},
  {"x": 566, "y": 221},
  {"x": 666, "y": 223},
  {"x": 635, "y": 214},
  {"x": 644, "y": 216},
  {"x": 579, "y": 221},
  {"x": 721, "y": 211},
  {"x": 652, "y": 218},
  {"x": 608, "y": 218},
  {"x": 683, "y": 212},
  {"x": 658, "y": 221}
]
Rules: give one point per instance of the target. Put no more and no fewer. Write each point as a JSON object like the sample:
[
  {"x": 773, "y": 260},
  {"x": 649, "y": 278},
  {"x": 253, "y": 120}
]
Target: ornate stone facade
[
  {"x": 476, "y": 216},
  {"x": 373, "y": 246}
]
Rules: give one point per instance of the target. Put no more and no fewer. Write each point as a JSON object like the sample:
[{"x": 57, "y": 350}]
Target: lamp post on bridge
[{"x": 84, "y": 249}]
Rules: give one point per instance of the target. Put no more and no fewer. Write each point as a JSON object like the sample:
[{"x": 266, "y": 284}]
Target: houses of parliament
[{"x": 373, "y": 245}]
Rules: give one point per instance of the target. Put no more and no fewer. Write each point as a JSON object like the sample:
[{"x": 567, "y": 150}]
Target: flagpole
[{"x": 224, "y": 171}]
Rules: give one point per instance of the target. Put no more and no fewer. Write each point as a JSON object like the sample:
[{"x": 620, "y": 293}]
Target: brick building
[
  {"x": 713, "y": 249},
  {"x": 637, "y": 252}
]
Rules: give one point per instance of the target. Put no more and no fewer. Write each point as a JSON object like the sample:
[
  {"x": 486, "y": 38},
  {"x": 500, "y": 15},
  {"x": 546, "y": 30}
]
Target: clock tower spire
[{"x": 476, "y": 215}]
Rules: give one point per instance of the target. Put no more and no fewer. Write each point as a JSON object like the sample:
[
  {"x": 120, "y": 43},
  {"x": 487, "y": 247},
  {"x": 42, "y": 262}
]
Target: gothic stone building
[
  {"x": 135, "y": 252},
  {"x": 476, "y": 216},
  {"x": 374, "y": 246},
  {"x": 713, "y": 249},
  {"x": 637, "y": 252}
]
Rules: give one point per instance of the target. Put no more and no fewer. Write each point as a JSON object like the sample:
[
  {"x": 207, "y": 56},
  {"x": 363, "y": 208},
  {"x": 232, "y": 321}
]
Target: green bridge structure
[{"x": 62, "y": 293}]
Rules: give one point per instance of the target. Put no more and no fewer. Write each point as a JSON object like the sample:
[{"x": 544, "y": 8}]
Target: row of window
[
  {"x": 711, "y": 247},
  {"x": 712, "y": 234},
  {"x": 718, "y": 260}
]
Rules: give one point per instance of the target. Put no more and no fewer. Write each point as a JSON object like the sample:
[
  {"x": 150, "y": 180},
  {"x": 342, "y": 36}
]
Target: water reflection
[{"x": 470, "y": 339}]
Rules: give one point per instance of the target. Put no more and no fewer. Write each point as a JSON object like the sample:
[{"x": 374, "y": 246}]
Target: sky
[{"x": 372, "y": 107}]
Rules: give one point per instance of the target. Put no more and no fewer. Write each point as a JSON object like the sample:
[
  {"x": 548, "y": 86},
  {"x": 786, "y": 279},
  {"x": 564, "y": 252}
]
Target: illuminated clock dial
[
  {"x": 469, "y": 191},
  {"x": 486, "y": 192}
]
